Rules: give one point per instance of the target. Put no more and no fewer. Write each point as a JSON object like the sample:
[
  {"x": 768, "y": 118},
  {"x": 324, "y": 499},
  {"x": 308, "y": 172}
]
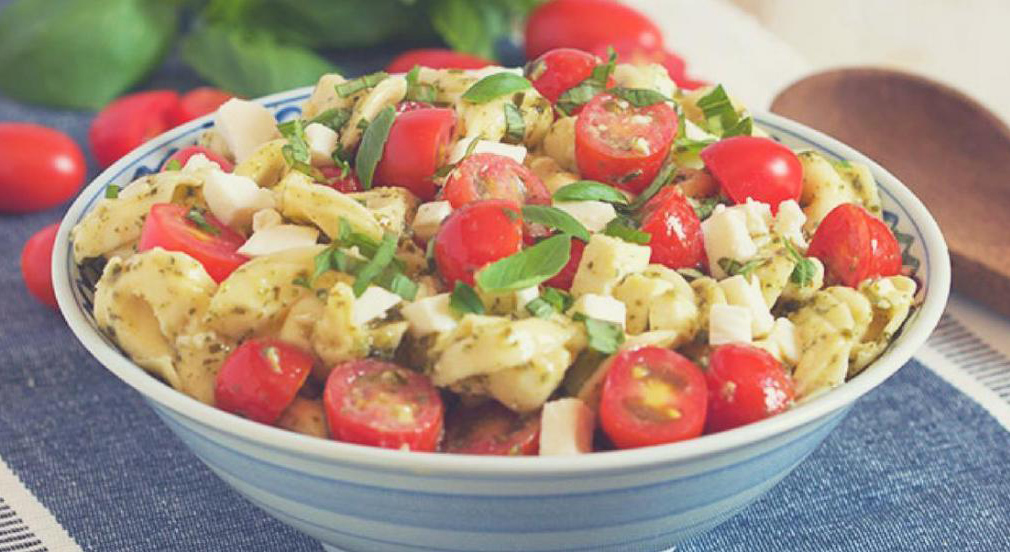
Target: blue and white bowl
[{"x": 357, "y": 498}]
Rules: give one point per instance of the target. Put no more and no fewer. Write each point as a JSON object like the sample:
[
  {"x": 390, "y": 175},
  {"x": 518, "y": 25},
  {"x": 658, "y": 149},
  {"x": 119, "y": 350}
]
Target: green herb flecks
[
  {"x": 111, "y": 191},
  {"x": 515, "y": 126},
  {"x": 296, "y": 152},
  {"x": 605, "y": 337},
  {"x": 198, "y": 217},
  {"x": 419, "y": 91},
  {"x": 664, "y": 177},
  {"x": 734, "y": 267},
  {"x": 495, "y": 86},
  {"x": 465, "y": 300},
  {"x": 335, "y": 118},
  {"x": 639, "y": 97},
  {"x": 365, "y": 82},
  {"x": 383, "y": 256},
  {"x": 550, "y": 301},
  {"x": 622, "y": 228},
  {"x": 805, "y": 269},
  {"x": 579, "y": 95},
  {"x": 590, "y": 190},
  {"x": 531, "y": 266},
  {"x": 373, "y": 141}
]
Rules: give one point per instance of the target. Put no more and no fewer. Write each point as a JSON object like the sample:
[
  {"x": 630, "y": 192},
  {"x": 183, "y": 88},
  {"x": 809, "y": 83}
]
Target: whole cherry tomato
[
  {"x": 854, "y": 245},
  {"x": 492, "y": 176},
  {"x": 417, "y": 146},
  {"x": 585, "y": 24},
  {"x": 39, "y": 167},
  {"x": 563, "y": 280},
  {"x": 183, "y": 155},
  {"x": 475, "y": 235},
  {"x": 129, "y": 121},
  {"x": 37, "y": 264},
  {"x": 197, "y": 103},
  {"x": 745, "y": 384},
  {"x": 435, "y": 58},
  {"x": 560, "y": 69},
  {"x": 215, "y": 245},
  {"x": 757, "y": 168},
  {"x": 260, "y": 379},
  {"x": 675, "y": 229},
  {"x": 492, "y": 429}
]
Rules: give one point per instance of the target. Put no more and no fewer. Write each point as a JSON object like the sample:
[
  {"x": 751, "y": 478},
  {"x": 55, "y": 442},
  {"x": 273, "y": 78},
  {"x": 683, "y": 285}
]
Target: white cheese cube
[
  {"x": 429, "y": 315},
  {"x": 373, "y": 304},
  {"x": 200, "y": 161},
  {"x": 458, "y": 151},
  {"x": 233, "y": 199},
  {"x": 429, "y": 217},
  {"x": 726, "y": 237},
  {"x": 789, "y": 223},
  {"x": 600, "y": 307},
  {"x": 759, "y": 216},
  {"x": 281, "y": 237},
  {"x": 594, "y": 215},
  {"x": 605, "y": 262},
  {"x": 524, "y": 296},
  {"x": 322, "y": 140},
  {"x": 728, "y": 324},
  {"x": 783, "y": 342},
  {"x": 566, "y": 427},
  {"x": 245, "y": 125},
  {"x": 265, "y": 218},
  {"x": 743, "y": 293}
]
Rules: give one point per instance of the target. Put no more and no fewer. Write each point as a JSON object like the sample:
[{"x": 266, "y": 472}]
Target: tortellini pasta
[
  {"x": 827, "y": 185},
  {"x": 487, "y": 120},
  {"x": 302, "y": 200}
]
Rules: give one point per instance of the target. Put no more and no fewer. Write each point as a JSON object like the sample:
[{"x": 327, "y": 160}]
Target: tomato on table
[
  {"x": 745, "y": 384},
  {"x": 492, "y": 429},
  {"x": 475, "y": 235},
  {"x": 381, "y": 404},
  {"x": 652, "y": 396},
  {"x": 854, "y": 245},
  {"x": 39, "y": 167},
  {"x": 182, "y": 156},
  {"x": 560, "y": 69},
  {"x": 129, "y": 121},
  {"x": 417, "y": 146},
  {"x": 757, "y": 168},
  {"x": 585, "y": 24},
  {"x": 37, "y": 264},
  {"x": 171, "y": 227},
  {"x": 435, "y": 58},
  {"x": 260, "y": 379},
  {"x": 623, "y": 145},
  {"x": 677, "y": 240},
  {"x": 336, "y": 179},
  {"x": 493, "y": 176},
  {"x": 197, "y": 103}
]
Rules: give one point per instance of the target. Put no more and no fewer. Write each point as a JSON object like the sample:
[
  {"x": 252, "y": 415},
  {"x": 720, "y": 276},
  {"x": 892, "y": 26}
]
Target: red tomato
[
  {"x": 476, "y": 235},
  {"x": 585, "y": 24},
  {"x": 39, "y": 167},
  {"x": 380, "y": 404},
  {"x": 197, "y": 103},
  {"x": 558, "y": 70},
  {"x": 493, "y": 176},
  {"x": 623, "y": 145},
  {"x": 759, "y": 168},
  {"x": 745, "y": 384},
  {"x": 37, "y": 264},
  {"x": 630, "y": 52},
  {"x": 183, "y": 155},
  {"x": 675, "y": 229},
  {"x": 260, "y": 379},
  {"x": 347, "y": 185},
  {"x": 435, "y": 58},
  {"x": 129, "y": 121},
  {"x": 854, "y": 245},
  {"x": 417, "y": 145},
  {"x": 492, "y": 429},
  {"x": 167, "y": 227},
  {"x": 563, "y": 280},
  {"x": 652, "y": 396}
]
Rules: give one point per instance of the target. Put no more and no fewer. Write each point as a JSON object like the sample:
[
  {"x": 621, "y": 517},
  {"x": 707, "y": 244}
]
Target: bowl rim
[{"x": 289, "y": 442}]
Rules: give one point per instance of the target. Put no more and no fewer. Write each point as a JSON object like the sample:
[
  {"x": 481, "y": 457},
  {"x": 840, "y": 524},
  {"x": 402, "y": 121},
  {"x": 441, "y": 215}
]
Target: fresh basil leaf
[
  {"x": 323, "y": 262},
  {"x": 111, "y": 191},
  {"x": 515, "y": 126},
  {"x": 664, "y": 177},
  {"x": 495, "y": 86},
  {"x": 743, "y": 127},
  {"x": 383, "y": 256},
  {"x": 540, "y": 308},
  {"x": 294, "y": 131},
  {"x": 418, "y": 91},
  {"x": 335, "y": 118},
  {"x": 197, "y": 217},
  {"x": 555, "y": 218},
  {"x": 804, "y": 271},
  {"x": 705, "y": 206},
  {"x": 373, "y": 141},
  {"x": 465, "y": 300},
  {"x": 579, "y": 95},
  {"x": 400, "y": 284},
  {"x": 531, "y": 266},
  {"x": 722, "y": 119},
  {"x": 590, "y": 190},
  {"x": 363, "y": 82},
  {"x": 639, "y": 97},
  {"x": 619, "y": 228},
  {"x": 605, "y": 337},
  {"x": 173, "y": 165},
  {"x": 78, "y": 53}
]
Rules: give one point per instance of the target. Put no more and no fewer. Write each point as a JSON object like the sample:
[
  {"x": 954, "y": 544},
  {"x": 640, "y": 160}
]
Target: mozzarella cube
[
  {"x": 605, "y": 262},
  {"x": 726, "y": 237},
  {"x": 743, "y": 293},
  {"x": 200, "y": 161},
  {"x": 322, "y": 140},
  {"x": 728, "y": 324},
  {"x": 373, "y": 304},
  {"x": 429, "y": 217},
  {"x": 281, "y": 237},
  {"x": 783, "y": 342},
  {"x": 265, "y": 218},
  {"x": 429, "y": 315},
  {"x": 245, "y": 125},
  {"x": 594, "y": 215},
  {"x": 759, "y": 216},
  {"x": 233, "y": 199},
  {"x": 600, "y": 307},
  {"x": 789, "y": 223},
  {"x": 458, "y": 151},
  {"x": 524, "y": 296},
  {"x": 566, "y": 427}
]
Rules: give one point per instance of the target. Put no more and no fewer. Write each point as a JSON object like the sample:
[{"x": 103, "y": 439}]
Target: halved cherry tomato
[
  {"x": 260, "y": 379},
  {"x": 563, "y": 280},
  {"x": 492, "y": 429},
  {"x": 39, "y": 167},
  {"x": 168, "y": 227},
  {"x": 183, "y": 155},
  {"x": 493, "y": 176},
  {"x": 757, "y": 168},
  {"x": 435, "y": 58},
  {"x": 381, "y": 404},
  {"x": 197, "y": 103},
  {"x": 630, "y": 52},
  {"x": 346, "y": 184},
  {"x": 476, "y": 235},
  {"x": 37, "y": 264},
  {"x": 652, "y": 396},
  {"x": 416, "y": 147},
  {"x": 854, "y": 245},
  {"x": 745, "y": 384},
  {"x": 129, "y": 121},
  {"x": 585, "y": 24},
  {"x": 623, "y": 145},
  {"x": 675, "y": 229},
  {"x": 556, "y": 71}
]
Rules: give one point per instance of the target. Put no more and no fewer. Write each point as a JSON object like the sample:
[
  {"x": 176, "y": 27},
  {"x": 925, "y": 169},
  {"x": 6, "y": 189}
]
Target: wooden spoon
[{"x": 950, "y": 150}]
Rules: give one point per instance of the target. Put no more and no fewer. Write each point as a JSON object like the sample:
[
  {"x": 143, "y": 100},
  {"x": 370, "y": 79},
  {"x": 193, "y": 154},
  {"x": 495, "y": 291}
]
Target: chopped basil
[
  {"x": 805, "y": 270},
  {"x": 296, "y": 151},
  {"x": 372, "y": 143},
  {"x": 744, "y": 127},
  {"x": 197, "y": 217},
  {"x": 111, "y": 191},
  {"x": 705, "y": 206},
  {"x": 604, "y": 337},
  {"x": 354, "y": 86},
  {"x": 639, "y": 97},
  {"x": 590, "y": 190},
  {"x": 540, "y": 308},
  {"x": 689, "y": 145},
  {"x": 400, "y": 284},
  {"x": 579, "y": 95},
  {"x": 173, "y": 165},
  {"x": 515, "y": 126},
  {"x": 555, "y": 218},
  {"x": 621, "y": 228},
  {"x": 720, "y": 116},
  {"x": 465, "y": 300},
  {"x": 383, "y": 256},
  {"x": 529, "y": 267},
  {"x": 662, "y": 179},
  {"x": 495, "y": 86},
  {"x": 334, "y": 118},
  {"x": 690, "y": 274},
  {"x": 551, "y": 300},
  {"x": 301, "y": 281},
  {"x": 734, "y": 267},
  {"x": 418, "y": 91}
]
